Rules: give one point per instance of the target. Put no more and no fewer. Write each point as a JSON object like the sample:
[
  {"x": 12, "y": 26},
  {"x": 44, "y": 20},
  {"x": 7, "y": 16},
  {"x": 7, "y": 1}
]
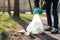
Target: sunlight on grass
[
  {"x": 30, "y": 16},
  {"x": 26, "y": 16},
  {"x": 7, "y": 22}
]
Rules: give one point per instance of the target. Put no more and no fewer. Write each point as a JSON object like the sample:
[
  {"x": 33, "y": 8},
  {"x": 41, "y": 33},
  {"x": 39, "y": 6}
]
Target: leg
[
  {"x": 55, "y": 14},
  {"x": 48, "y": 14},
  {"x": 47, "y": 6}
]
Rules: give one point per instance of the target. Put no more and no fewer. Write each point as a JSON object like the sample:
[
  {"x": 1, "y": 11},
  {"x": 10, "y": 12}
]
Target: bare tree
[
  {"x": 9, "y": 7},
  {"x": 3, "y": 6},
  {"x": 30, "y": 7},
  {"x": 16, "y": 8}
]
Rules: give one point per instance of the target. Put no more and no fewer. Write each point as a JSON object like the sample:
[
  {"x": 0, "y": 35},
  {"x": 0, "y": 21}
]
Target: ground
[
  {"x": 14, "y": 24},
  {"x": 45, "y": 36}
]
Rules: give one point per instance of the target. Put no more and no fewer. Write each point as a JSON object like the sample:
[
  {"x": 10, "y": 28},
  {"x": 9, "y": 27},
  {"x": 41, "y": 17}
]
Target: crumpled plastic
[{"x": 35, "y": 26}]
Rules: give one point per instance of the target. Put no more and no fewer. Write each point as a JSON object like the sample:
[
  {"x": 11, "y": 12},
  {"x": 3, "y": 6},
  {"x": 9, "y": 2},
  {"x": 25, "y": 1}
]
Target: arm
[
  {"x": 36, "y": 3},
  {"x": 39, "y": 10},
  {"x": 47, "y": 4}
]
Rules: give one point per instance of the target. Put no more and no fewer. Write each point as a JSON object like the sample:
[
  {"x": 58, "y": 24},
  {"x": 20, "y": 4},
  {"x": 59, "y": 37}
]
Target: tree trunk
[
  {"x": 9, "y": 7},
  {"x": 30, "y": 7},
  {"x": 16, "y": 8},
  {"x": 4, "y": 6}
]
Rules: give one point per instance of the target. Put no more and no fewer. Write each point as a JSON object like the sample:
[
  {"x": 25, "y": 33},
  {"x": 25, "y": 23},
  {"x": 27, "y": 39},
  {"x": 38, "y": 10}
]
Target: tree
[
  {"x": 3, "y": 6},
  {"x": 9, "y": 7},
  {"x": 30, "y": 7},
  {"x": 16, "y": 8}
]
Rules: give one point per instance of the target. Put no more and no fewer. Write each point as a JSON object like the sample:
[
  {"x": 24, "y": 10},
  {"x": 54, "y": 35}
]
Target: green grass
[
  {"x": 7, "y": 22},
  {"x": 30, "y": 16}
]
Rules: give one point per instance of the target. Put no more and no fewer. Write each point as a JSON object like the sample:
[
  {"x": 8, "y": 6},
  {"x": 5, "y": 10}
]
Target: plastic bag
[{"x": 36, "y": 26}]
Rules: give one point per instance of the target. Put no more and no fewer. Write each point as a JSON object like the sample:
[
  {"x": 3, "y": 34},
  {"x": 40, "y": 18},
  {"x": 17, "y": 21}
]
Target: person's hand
[{"x": 38, "y": 11}]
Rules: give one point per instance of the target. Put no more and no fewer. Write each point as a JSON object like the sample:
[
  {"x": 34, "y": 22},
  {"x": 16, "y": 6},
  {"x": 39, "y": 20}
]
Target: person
[{"x": 47, "y": 7}]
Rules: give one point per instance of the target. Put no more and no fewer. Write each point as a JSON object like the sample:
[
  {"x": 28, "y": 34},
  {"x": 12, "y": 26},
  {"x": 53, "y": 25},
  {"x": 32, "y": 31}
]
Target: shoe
[
  {"x": 48, "y": 29},
  {"x": 54, "y": 31}
]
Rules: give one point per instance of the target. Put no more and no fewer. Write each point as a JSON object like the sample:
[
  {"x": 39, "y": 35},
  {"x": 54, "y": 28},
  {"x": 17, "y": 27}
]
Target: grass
[
  {"x": 7, "y": 22},
  {"x": 30, "y": 16}
]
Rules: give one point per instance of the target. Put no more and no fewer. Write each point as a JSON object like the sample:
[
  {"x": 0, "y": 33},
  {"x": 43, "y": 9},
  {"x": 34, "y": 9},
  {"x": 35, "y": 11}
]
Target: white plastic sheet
[{"x": 36, "y": 26}]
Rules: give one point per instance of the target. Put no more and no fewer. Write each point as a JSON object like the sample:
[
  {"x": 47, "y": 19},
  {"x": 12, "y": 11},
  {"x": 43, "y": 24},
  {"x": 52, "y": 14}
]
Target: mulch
[{"x": 21, "y": 36}]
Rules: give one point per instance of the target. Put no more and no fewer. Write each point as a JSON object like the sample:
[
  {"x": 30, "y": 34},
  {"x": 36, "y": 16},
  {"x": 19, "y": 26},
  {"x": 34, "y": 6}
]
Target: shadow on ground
[
  {"x": 48, "y": 37},
  {"x": 24, "y": 24},
  {"x": 43, "y": 37},
  {"x": 35, "y": 37},
  {"x": 20, "y": 21}
]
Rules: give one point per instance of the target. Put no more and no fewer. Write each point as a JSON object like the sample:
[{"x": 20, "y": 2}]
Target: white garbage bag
[{"x": 36, "y": 26}]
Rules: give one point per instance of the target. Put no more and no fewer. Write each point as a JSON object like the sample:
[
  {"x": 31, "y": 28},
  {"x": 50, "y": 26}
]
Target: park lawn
[{"x": 7, "y": 22}]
